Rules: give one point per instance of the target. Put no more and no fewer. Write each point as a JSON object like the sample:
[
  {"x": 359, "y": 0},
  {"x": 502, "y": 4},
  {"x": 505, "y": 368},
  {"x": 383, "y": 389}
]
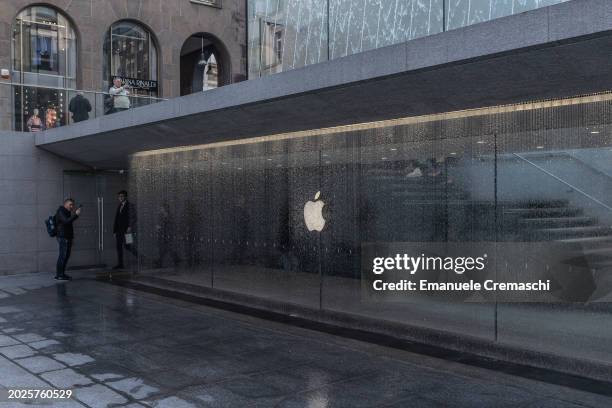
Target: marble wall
[{"x": 31, "y": 189}]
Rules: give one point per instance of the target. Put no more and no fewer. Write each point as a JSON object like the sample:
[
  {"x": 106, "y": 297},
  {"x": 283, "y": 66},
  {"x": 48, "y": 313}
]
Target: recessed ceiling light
[
  {"x": 269, "y": 159},
  {"x": 481, "y": 142},
  {"x": 453, "y": 153},
  {"x": 384, "y": 158},
  {"x": 594, "y": 132},
  {"x": 539, "y": 147},
  {"x": 393, "y": 149}
]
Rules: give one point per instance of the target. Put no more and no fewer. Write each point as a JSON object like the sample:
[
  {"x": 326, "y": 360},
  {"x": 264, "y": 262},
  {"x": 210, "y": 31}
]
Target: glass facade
[
  {"x": 288, "y": 34},
  {"x": 44, "y": 48},
  {"x": 530, "y": 183},
  {"x": 461, "y": 13},
  {"x": 47, "y": 108},
  {"x": 131, "y": 54},
  {"x": 44, "y": 57}
]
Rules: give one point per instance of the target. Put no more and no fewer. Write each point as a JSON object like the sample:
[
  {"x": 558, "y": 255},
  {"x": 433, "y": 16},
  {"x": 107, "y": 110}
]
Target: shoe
[{"x": 117, "y": 267}]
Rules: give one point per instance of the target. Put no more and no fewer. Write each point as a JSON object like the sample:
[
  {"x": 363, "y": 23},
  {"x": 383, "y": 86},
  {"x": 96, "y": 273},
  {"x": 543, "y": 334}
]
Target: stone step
[
  {"x": 557, "y": 222},
  {"x": 535, "y": 203},
  {"x": 573, "y": 232},
  {"x": 544, "y": 212},
  {"x": 588, "y": 240}
]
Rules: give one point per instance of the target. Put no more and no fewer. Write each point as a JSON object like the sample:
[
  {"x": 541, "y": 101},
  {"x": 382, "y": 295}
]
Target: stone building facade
[{"x": 170, "y": 23}]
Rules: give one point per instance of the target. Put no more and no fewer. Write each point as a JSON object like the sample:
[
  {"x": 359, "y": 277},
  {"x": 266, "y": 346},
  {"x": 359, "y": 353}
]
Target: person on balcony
[
  {"x": 79, "y": 107},
  {"x": 120, "y": 94},
  {"x": 35, "y": 124}
]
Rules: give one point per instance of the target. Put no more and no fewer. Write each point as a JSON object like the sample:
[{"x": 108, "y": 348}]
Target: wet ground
[{"x": 117, "y": 347}]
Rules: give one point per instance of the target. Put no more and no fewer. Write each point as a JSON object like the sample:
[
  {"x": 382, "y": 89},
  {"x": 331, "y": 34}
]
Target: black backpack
[{"x": 51, "y": 226}]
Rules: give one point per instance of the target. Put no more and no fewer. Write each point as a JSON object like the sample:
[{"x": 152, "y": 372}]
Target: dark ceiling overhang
[{"x": 557, "y": 51}]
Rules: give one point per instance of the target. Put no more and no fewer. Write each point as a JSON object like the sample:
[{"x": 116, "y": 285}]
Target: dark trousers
[
  {"x": 65, "y": 248},
  {"x": 120, "y": 240}
]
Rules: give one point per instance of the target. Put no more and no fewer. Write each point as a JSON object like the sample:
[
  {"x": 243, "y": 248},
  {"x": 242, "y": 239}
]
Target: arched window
[
  {"x": 44, "y": 48},
  {"x": 130, "y": 53},
  {"x": 204, "y": 64},
  {"x": 45, "y": 62}
]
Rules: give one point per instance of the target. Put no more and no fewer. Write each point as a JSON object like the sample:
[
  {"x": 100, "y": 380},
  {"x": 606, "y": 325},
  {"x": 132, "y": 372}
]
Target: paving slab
[
  {"x": 7, "y": 341},
  {"x": 66, "y": 378},
  {"x": 158, "y": 352},
  {"x": 17, "y": 351},
  {"x": 73, "y": 359},
  {"x": 38, "y": 345},
  {"x": 13, "y": 376},
  {"x": 135, "y": 387},
  {"x": 99, "y": 396},
  {"x": 29, "y": 337},
  {"x": 40, "y": 364}
]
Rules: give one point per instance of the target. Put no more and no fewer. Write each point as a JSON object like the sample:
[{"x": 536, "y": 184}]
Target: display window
[
  {"x": 34, "y": 103},
  {"x": 44, "y": 66},
  {"x": 131, "y": 55},
  {"x": 44, "y": 48}
]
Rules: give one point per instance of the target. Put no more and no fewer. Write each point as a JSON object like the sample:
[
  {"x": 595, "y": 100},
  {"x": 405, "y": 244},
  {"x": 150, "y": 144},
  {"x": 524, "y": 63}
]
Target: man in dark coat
[
  {"x": 80, "y": 107},
  {"x": 124, "y": 222},
  {"x": 64, "y": 218}
]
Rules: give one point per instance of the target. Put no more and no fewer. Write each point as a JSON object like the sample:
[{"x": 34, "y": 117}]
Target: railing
[
  {"x": 564, "y": 182},
  {"x": 58, "y": 106}
]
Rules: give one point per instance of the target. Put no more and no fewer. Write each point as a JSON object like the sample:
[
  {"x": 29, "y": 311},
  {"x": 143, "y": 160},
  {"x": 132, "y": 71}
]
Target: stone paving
[{"x": 116, "y": 347}]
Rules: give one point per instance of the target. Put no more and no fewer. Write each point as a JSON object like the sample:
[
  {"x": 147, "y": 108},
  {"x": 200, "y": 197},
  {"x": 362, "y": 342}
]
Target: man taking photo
[{"x": 64, "y": 217}]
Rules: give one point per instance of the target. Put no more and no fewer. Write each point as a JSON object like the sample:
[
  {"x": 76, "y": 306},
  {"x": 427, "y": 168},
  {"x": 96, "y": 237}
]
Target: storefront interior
[{"x": 528, "y": 183}]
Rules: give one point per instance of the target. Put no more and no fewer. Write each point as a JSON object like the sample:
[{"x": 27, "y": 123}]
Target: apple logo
[{"x": 313, "y": 214}]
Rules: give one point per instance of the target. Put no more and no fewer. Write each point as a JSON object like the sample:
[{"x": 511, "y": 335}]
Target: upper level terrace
[{"x": 550, "y": 52}]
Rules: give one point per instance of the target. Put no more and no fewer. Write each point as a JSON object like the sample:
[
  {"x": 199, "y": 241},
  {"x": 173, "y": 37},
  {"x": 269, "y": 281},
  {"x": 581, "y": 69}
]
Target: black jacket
[
  {"x": 124, "y": 218},
  {"x": 63, "y": 222},
  {"x": 80, "y": 108}
]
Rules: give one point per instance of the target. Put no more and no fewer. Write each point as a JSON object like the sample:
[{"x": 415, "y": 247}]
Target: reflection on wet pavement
[{"x": 116, "y": 347}]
